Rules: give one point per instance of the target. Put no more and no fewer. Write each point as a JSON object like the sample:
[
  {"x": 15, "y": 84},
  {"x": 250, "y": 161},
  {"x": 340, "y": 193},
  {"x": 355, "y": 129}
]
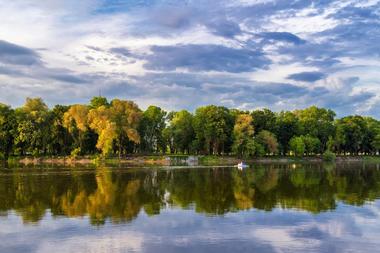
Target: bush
[
  {"x": 328, "y": 156},
  {"x": 75, "y": 153}
]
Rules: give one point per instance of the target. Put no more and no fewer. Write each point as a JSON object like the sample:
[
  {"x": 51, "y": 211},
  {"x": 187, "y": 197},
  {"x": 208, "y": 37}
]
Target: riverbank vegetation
[{"x": 119, "y": 128}]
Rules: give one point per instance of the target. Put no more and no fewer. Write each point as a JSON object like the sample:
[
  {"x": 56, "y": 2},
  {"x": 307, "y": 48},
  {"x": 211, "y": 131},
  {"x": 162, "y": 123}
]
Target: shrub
[
  {"x": 328, "y": 156},
  {"x": 75, "y": 153}
]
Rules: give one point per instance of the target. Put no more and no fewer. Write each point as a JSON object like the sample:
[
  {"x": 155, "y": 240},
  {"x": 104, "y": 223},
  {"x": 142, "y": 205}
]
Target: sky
[{"x": 245, "y": 54}]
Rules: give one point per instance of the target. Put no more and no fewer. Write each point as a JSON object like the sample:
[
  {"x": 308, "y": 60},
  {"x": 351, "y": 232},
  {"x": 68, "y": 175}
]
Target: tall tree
[
  {"x": 317, "y": 122},
  {"x": 33, "y": 127},
  {"x": 264, "y": 119},
  {"x": 372, "y": 134},
  {"x": 151, "y": 126},
  {"x": 350, "y": 134},
  {"x": 312, "y": 144},
  {"x": 181, "y": 131},
  {"x": 243, "y": 136},
  {"x": 115, "y": 125},
  {"x": 297, "y": 145},
  {"x": 7, "y": 130},
  {"x": 213, "y": 127},
  {"x": 287, "y": 126},
  {"x": 75, "y": 120},
  {"x": 97, "y": 102},
  {"x": 269, "y": 141},
  {"x": 60, "y": 141}
]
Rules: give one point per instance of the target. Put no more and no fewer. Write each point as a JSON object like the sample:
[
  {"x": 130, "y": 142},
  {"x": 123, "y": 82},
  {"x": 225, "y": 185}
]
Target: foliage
[
  {"x": 115, "y": 124},
  {"x": 75, "y": 153},
  {"x": 151, "y": 126},
  {"x": 287, "y": 126},
  {"x": 119, "y": 127},
  {"x": 7, "y": 130},
  {"x": 97, "y": 102},
  {"x": 243, "y": 144},
  {"x": 180, "y": 132},
  {"x": 268, "y": 141},
  {"x": 213, "y": 127},
  {"x": 263, "y": 119},
  {"x": 33, "y": 124},
  {"x": 259, "y": 149},
  {"x": 297, "y": 146},
  {"x": 312, "y": 144},
  {"x": 75, "y": 120},
  {"x": 316, "y": 122},
  {"x": 328, "y": 156},
  {"x": 61, "y": 140},
  {"x": 350, "y": 134}
]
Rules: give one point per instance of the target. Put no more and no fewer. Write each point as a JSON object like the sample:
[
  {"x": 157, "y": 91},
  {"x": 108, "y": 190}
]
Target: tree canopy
[{"x": 120, "y": 127}]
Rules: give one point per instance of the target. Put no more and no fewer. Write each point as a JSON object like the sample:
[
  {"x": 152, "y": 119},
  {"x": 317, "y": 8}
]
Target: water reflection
[{"x": 121, "y": 194}]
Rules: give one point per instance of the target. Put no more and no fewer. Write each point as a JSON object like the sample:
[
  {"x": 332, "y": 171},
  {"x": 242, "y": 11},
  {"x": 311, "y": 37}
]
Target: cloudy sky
[{"x": 183, "y": 54}]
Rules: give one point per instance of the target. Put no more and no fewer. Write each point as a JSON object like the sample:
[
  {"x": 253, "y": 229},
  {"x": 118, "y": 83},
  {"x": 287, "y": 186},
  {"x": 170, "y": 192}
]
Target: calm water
[{"x": 267, "y": 208}]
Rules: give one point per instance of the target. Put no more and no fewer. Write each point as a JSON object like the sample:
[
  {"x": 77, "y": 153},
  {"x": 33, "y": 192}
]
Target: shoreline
[{"x": 167, "y": 160}]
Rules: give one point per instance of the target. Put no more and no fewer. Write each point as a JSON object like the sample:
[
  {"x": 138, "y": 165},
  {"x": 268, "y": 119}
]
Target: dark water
[{"x": 266, "y": 208}]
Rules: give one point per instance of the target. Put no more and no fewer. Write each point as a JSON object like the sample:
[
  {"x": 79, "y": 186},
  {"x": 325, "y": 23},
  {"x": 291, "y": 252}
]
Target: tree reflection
[{"x": 120, "y": 195}]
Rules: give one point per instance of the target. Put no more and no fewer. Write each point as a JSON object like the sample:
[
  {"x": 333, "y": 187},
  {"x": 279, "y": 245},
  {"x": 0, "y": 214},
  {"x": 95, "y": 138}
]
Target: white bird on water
[{"x": 242, "y": 165}]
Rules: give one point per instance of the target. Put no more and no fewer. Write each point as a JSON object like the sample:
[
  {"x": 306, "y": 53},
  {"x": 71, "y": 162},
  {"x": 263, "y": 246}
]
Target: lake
[{"x": 266, "y": 208}]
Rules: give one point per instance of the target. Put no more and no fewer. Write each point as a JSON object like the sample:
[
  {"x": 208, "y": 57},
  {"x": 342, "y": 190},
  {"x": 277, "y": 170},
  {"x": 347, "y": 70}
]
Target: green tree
[
  {"x": 7, "y": 130},
  {"x": 213, "y": 129},
  {"x": 287, "y": 126},
  {"x": 297, "y": 146},
  {"x": 150, "y": 129},
  {"x": 97, "y": 102},
  {"x": 312, "y": 144},
  {"x": 33, "y": 127},
  {"x": 317, "y": 122},
  {"x": 269, "y": 141},
  {"x": 182, "y": 132},
  {"x": 60, "y": 141},
  {"x": 264, "y": 119},
  {"x": 370, "y": 144},
  {"x": 350, "y": 134}
]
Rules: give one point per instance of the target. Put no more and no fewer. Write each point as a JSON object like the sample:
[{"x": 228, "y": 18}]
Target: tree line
[{"x": 120, "y": 127}]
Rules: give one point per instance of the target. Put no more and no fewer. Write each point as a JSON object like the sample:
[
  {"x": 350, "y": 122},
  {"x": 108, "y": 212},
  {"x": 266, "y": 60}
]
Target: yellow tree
[
  {"x": 126, "y": 115},
  {"x": 243, "y": 135},
  {"x": 115, "y": 124},
  {"x": 76, "y": 121},
  {"x": 100, "y": 121}
]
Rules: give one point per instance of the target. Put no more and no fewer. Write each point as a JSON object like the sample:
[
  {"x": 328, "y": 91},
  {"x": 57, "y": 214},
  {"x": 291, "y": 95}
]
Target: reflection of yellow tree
[
  {"x": 132, "y": 203},
  {"x": 109, "y": 199},
  {"x": 100, "y": 203},
  {"x": 243, "y": 193},
  {"x": 119, "y": 197},
  {"x": 77, "y": 207}
]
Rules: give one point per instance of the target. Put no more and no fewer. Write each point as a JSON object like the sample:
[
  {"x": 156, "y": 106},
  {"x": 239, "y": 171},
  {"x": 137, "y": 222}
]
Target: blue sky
[{"x": 244, "y": 54}]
